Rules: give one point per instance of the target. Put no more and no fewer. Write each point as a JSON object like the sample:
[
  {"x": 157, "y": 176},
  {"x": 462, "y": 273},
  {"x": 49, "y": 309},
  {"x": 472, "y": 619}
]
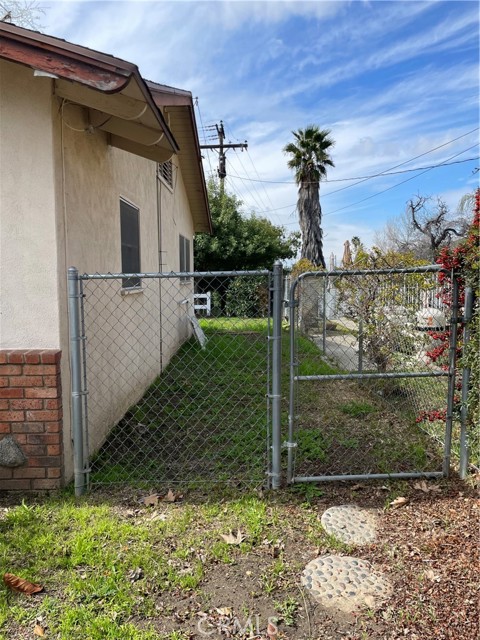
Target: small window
[
  {"x": 165, "y": 171},
  {"x": 184, "y": 255},
  {"x": 130, "y": 235}
]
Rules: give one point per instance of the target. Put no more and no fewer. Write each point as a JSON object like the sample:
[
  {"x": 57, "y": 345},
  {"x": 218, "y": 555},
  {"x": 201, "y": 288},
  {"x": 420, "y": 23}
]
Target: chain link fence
[
  {"x": 363, "y": 388},
  {"x": 176, "y": 372}
]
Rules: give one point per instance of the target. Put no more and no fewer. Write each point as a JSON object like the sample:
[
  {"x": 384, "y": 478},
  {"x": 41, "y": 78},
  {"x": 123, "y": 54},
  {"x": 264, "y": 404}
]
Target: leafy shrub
[{"x": 247, "y": 297}]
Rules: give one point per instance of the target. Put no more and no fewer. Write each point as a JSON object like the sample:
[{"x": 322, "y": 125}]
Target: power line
[
  {"x": 197, "y": 104},
  {"x": 362, "y": 178},
  {"x": 395, "y": 185},
  {"x": 374, "y": 175},
  {"x": 422, "y": 169}
]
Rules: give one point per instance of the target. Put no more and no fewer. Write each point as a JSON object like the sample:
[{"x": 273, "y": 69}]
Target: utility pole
[{"x": 222, "y": 147}]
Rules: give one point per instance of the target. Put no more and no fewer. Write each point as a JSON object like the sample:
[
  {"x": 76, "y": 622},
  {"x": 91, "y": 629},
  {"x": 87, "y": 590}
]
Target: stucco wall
[
  {"x": 29, "y": 312},
  {"x": 60, "y": 190},
  {"x": 131, "y": 336}
]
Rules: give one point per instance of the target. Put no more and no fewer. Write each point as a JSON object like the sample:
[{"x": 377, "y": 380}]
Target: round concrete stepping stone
[
  {"x": 345, "y": 583},
  {"x": 350, "y": 524}
]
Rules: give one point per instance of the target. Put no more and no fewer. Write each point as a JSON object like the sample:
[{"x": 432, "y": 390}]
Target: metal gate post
[
  {"x": 292, "y": 305},
  {"x": 277, "y": 376},
  {"x": 464, "y": 452},
  {"x": 451, "y": 376},
  {"x": 76, "y": 379}
]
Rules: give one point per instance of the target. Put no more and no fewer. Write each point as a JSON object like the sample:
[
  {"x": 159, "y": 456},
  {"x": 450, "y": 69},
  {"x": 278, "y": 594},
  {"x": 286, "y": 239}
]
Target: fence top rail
[
  {"x": 171, "y": 274},
  {"x": 428, "y": 268}
]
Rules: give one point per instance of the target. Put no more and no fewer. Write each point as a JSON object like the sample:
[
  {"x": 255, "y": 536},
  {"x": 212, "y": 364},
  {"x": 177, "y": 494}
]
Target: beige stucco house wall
[{"x": 61, "y": 183}]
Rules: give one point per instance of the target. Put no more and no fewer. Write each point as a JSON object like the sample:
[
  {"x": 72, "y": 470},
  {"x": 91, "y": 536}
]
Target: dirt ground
[{"x": 428, "y": 549}]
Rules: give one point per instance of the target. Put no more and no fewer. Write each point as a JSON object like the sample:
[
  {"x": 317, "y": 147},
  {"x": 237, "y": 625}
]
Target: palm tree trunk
[{"x": 310, "y": 219}]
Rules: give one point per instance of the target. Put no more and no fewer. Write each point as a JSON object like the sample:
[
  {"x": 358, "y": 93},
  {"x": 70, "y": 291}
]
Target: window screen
[{"x": 130, "y": 235}]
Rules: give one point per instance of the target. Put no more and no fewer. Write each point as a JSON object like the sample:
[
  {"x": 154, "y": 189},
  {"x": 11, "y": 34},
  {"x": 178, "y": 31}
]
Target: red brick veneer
[{"x": 31, "y": 412}]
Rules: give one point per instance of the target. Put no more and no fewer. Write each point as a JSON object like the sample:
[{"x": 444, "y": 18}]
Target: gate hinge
[{"x": 291, "y": 303}]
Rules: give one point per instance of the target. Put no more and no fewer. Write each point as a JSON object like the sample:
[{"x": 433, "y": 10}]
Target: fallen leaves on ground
[
  {"x": 19, "y": 584},
  {"x": 172, "y": 497},
  {"x": 151, "y": 501},
  {"x": 231, "y": 538},
  {"x": 425, "y": 487},
  {"x": 39, "y": 631},
  {"x": 399, "y": 502}
]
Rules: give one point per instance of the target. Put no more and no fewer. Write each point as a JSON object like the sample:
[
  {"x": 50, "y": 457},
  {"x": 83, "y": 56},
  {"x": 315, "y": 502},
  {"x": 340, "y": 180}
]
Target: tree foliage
[
  {"x": 309, "y": 158},
  {"x": 377, "y": 300},
  {"x": 238, "y": 241}
]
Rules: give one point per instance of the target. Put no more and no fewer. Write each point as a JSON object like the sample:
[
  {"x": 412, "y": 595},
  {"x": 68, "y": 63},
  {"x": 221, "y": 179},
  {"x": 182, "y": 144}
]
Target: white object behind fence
[{"x": 206, "y": 305}]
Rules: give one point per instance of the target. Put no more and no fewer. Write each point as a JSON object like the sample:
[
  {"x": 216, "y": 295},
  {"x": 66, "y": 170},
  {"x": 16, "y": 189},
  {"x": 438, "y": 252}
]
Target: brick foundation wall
[{"x": 31, "y": 413}]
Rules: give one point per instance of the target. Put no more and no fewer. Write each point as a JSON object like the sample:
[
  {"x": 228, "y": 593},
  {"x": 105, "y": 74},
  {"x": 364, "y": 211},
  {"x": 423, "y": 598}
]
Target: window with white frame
[
  {"x": 184, "y": 255},
  {"x": 130, "y": 238}
]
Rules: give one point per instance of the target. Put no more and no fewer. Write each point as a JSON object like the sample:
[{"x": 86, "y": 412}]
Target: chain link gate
[
  {"x": 172, "y": 377},
  {"x": 363, "y": 392}
]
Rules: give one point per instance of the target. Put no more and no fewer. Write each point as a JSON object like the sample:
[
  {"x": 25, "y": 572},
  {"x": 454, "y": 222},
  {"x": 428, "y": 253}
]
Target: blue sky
[{"x": 391, "y": 80}]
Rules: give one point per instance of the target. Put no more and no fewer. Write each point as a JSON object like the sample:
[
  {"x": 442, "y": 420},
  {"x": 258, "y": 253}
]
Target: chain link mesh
[
  {"x": 380, "y": 323},
  {"x": 177, "y": 373}
]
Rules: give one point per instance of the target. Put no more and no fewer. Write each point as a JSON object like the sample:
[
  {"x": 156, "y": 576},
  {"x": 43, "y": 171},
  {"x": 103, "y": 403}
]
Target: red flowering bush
[{"x": 464, "y": 260}]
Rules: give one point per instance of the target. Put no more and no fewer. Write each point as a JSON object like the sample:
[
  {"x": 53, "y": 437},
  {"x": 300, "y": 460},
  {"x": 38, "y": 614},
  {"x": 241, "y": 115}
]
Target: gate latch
[{"x": 289, "y": 445}]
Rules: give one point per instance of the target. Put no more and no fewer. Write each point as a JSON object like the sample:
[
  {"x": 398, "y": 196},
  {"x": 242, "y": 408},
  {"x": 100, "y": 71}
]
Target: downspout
[{"x": 160, "y": 264}]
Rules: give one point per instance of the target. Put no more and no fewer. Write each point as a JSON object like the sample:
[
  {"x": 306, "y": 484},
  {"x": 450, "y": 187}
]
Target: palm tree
[{"x": 310, "y": 158}]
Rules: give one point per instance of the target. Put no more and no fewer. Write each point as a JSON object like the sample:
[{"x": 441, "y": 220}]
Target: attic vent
[{"x": 165, "y": 171}]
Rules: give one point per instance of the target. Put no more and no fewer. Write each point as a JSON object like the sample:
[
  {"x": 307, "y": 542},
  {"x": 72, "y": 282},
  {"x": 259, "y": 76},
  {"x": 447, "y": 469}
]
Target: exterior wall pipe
[
  {"x": 451, "y": 375},
  {"x": 464, "y": 449},
  {"x": 76, "y": 380},
  {"x": 277, "y": 376}
]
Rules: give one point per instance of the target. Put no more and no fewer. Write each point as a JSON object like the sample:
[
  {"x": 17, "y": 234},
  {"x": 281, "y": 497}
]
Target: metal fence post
[
  {"x": 76, "y": 379},
  {"x": 324, "y": 327},
  {"x": 451, "y": 376},
  {"x": 464, "y": 452},
  {"x": 277, "y": 375}
]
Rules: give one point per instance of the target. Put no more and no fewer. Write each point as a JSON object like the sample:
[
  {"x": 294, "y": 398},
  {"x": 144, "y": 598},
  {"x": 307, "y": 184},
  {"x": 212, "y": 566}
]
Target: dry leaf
[
  {"x": 357, "y": 487},
  {"x": 19, "y": 584},
  {"x": 224, "y": 611},
  {"x": 172, "y": 497},
  {"x": 230, "y": 538},
  {"x": 369, "y": 601},
  {"x": 135, "y": 574},
  {"x": 39, "y": 631},
  {"x": 398, "y": 502},
  {"x": 151, "y": 501},
  {"x": 272, "y": 631},
  {"x": 426, "y": 488}
]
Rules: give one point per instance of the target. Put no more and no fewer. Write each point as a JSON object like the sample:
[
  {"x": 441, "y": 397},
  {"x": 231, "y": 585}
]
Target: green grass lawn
[{"x": 206, "y": 418}]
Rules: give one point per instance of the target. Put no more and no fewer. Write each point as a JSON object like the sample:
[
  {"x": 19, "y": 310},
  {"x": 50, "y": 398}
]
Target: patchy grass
[
  {"x": 109, "y": 566},
  {"x": 113, "y": 568}
]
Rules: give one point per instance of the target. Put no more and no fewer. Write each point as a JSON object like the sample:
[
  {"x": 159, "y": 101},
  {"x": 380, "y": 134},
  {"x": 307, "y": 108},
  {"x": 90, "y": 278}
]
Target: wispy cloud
[{"x": 391, "y": 79}]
